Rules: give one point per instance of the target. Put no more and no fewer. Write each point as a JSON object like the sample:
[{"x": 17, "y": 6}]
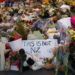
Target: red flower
[
  {"x": 72, "y": 44},
  {"x": 7, "y": 46},
  {"x": 16, "y": 36}
]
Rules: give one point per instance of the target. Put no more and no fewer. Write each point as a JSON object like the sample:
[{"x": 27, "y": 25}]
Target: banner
[{"x": 40, "y": 48}]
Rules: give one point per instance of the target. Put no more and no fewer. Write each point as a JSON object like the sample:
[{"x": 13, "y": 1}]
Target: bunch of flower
[
  {"x": 14, "y": 59},
  {"x": 14, "y": 56},
  {"x": 22, "y": 29},
  {"x": 72, "y": 34},
  {"x": 14, "y": 36}
]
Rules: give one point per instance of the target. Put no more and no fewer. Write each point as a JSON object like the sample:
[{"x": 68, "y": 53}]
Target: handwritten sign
[{"x": 40, "y": 48}]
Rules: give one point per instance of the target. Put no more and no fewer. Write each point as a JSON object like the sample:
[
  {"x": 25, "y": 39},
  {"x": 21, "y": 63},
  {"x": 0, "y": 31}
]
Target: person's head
[
  {"x": 21, "y": 51},
  {"x": 22, "y": 54}
]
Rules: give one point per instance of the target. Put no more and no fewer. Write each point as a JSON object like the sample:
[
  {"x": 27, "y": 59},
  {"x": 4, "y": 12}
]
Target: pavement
[{"x": 30, "y": 72}]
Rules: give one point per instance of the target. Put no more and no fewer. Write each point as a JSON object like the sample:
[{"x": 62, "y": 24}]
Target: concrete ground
[{"x": 30, "y": 72}]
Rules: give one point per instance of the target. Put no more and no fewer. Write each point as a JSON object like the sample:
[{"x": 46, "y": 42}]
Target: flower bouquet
[
  {"x": 23, "y": 29},
  {"x": 72, "y": 34},
  {"x": 14, "y": 60},
  {"x": 72, "y": 48},
  {"x": 15, "y": 41}
]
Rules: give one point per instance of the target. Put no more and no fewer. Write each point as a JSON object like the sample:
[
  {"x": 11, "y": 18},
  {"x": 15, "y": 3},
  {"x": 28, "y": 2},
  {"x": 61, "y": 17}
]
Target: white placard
[
  {"x": 40, "y": 48},
  {"x": 16, "y": 45}
]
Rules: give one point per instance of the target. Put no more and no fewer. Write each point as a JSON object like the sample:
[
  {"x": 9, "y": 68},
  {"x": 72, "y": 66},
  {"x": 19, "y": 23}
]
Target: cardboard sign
[
  {"x": 16, "y": 45},
  {"x": 40, "y": 48}
]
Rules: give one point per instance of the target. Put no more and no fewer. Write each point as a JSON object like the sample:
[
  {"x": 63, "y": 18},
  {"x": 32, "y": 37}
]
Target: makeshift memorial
[{"x": 15, "y": 25}]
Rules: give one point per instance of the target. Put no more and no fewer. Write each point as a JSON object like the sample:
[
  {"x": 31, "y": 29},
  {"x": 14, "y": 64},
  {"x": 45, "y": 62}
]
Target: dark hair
[
  {"x": 30, "y": 62},
  {"x": 21, "y": 51},
  {"x": 22, "y": 54}
]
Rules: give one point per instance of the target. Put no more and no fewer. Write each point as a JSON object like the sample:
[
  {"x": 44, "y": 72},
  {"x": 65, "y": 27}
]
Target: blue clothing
[
  {"x": 9, "y": 3},
  {"x": 41, "y": 23}
]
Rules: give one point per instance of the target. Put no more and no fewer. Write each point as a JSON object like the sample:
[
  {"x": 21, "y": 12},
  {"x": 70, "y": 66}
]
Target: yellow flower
[{"x": 71, "y": 32}]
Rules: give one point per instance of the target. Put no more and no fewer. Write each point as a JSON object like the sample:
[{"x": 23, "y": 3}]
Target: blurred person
[{"x": 9, "y": 3}]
